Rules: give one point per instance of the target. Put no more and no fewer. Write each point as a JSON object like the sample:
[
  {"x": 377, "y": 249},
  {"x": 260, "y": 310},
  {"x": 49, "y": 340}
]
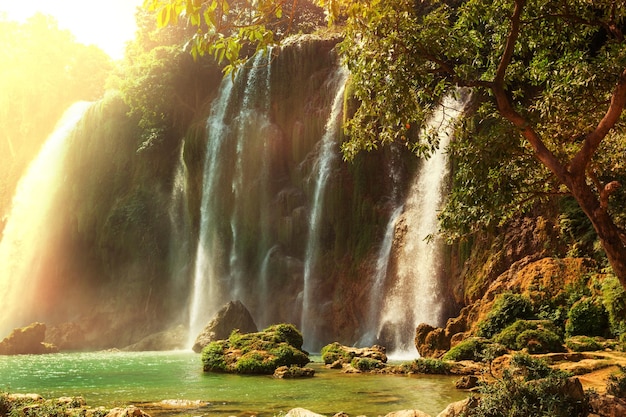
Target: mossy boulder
[
  {"x": 256, "y": 353},
  {"x": 367, "y": 358}
]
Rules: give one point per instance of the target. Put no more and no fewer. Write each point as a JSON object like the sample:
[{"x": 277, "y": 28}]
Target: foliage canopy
[{"x": 547, "y": 77}]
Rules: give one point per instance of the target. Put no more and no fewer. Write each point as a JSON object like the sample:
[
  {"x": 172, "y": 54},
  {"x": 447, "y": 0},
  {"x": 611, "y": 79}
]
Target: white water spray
[
  {"x": 326, "y": 159},
  {"x": 24, "y": 235},
  {"x": 417, "y": 297},
  {"x": 205, "y": 292},
  {"x": 253, "y": 118}
]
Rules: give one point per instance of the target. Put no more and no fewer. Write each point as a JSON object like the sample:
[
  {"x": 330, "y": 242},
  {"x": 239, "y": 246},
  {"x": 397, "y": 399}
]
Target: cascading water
[
  {"x": 179, "y": 248},
  {"x": 252, "y": 117},
  {"x": 25, "y": 235},
  {"x": 417, "y": 297},
  {"x": 327, "y": 156},
  {"x": 213, "y": 279},
  {"x": 205, "y": 292}
]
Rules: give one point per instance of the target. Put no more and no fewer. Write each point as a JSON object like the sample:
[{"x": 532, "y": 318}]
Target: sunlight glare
[{"x": 108, "y": 25}]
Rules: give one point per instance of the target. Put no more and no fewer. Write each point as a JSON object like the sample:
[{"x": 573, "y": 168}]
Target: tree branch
[
  {"x": 508, "y": 112},
  {"x": 593, "y": 139}
]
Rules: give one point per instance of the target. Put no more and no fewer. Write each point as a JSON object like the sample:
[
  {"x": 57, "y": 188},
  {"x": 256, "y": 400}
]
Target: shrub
[
  {"x": 507, "y": 308},
  {"x": 427, "y": 366},
  {"x": 614, "y": 301},
  {"x": 531, "y": 368},
  {"x": 474, "y": 349},
  {"x": 616, "y": 384},
  {"x": 583, "y": 344},
  {"x": 539, "y": 341},
  {"x": 534, "y": 389},
  {"x": 366, "y": 364},
  {"x": 587, "y": 317},
  {"x": 543, "y": 336}
]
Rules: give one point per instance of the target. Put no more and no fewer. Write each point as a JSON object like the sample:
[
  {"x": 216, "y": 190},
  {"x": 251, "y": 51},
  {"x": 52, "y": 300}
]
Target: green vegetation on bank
[{"x": 530, "y": 388}]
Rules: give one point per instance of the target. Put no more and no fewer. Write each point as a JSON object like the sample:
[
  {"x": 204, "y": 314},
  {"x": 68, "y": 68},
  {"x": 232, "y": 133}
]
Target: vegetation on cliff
[{"x": 548, "y": 82}]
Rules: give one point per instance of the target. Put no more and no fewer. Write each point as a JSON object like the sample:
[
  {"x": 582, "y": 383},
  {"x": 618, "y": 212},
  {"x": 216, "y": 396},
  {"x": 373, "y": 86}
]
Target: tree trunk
[{"x": 609, "y": 234}]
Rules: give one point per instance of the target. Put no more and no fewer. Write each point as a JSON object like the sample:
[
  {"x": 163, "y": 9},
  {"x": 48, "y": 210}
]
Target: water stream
[
  {"x": 420, "y": 263},
  {"x": 328, "y": 154},
  {"x": 205, "y": 291},
  {"x": 145, "y": 378}
]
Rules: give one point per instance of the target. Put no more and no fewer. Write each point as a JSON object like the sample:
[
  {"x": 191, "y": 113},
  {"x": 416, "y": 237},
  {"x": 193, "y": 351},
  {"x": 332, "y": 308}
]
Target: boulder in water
[
  {"x": 431, "y": 342},
  {"x": 256, "y": 353},
  {"x": 283, "y": 372},
  {"x": 336, "y": 351},
  {"x": 27, "y": 340},
  {"x": 232, "y": 316}
]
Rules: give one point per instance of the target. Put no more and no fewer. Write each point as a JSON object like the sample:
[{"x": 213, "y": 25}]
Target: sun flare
[{"x": 108, "y": 25}]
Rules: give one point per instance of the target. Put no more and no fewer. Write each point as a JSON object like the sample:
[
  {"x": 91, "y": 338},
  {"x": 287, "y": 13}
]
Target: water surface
[{"x": 121, "y": 378}]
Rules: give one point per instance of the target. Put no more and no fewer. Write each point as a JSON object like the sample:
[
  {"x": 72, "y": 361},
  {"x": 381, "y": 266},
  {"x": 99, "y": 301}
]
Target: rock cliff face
[
  {"x": 248, "y": 199},
  {"x": 128, "y": 218}
]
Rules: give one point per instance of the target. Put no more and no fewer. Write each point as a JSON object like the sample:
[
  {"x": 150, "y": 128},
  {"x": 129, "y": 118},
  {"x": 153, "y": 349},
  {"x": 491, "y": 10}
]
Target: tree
[
  {"x": 43, "y": 70},
  {"x": 549, "y": 73},
  {"x": 224, "y": 27},
  {"x": 548, "y": 76}
]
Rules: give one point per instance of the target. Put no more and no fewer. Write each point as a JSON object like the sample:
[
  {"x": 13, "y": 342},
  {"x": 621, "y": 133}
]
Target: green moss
[
  {"x": 474, "y": 349},
  {"x": 213, "y": 357},
  {"x": 366, "y": 364},
  {"x": 334, "y": 352},
  {"x": 427, "y": 366},
  {"x": 254, "y": 363}
]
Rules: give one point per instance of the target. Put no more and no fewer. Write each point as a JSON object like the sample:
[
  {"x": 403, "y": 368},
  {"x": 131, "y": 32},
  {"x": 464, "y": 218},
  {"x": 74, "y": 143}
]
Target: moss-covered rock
[
  {"x": 256, "y": 353},
  {"x": 336, "y": 352},
  {"x": 506, "y": 310}
]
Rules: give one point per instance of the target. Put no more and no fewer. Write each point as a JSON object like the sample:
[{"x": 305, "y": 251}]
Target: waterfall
[
  {"x": 205, "y": 291},
  {"x": 25, "y": 237},
  {"x": 231, "y": 166},
  {"x": 179, "y": 247},
  {"x": 326, "y": 159},
  {"x": 417, "y": 297},
  {"x": 252, "y": 119}
]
